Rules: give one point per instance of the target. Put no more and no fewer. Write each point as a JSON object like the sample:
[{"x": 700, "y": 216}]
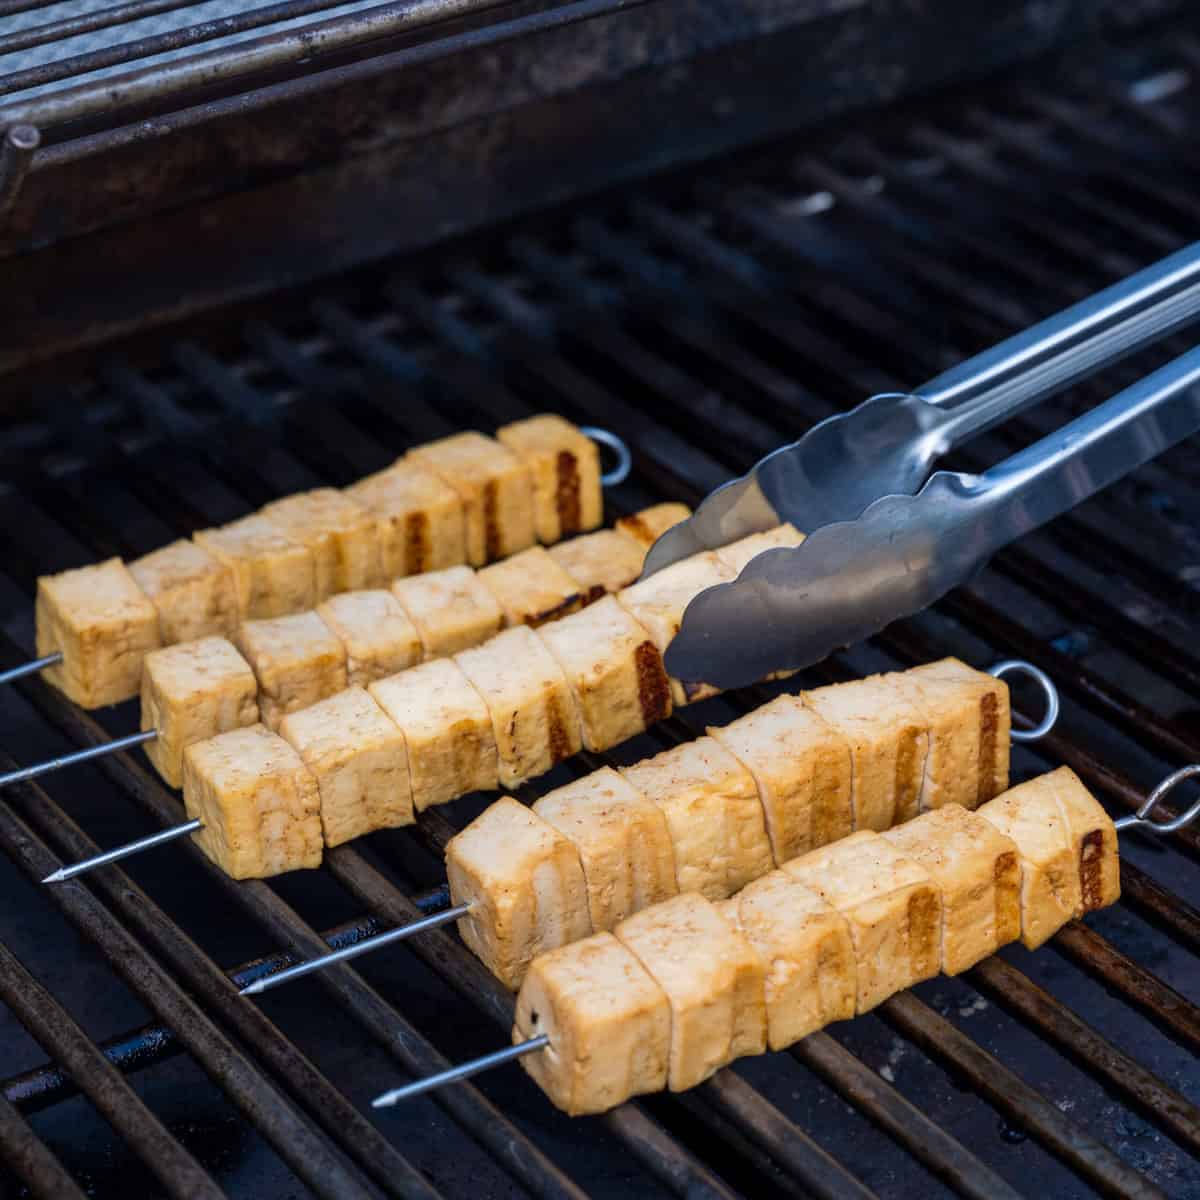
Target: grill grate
[{"x": 705, "y": 317}]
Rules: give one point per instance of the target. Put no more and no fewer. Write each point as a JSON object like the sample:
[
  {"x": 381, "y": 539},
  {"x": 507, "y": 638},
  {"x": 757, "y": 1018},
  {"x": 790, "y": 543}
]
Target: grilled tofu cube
[
  {"x": 192, "y": 691},
  {"x": 807, "y": 954},
  {"x": 977, "y": 870},
  {"x": 420, "y": 519},
  {"x": 451, "y": 609},
  {"x": 981, "y": 740},
  {"x": 495, "y": 487},
  {"x": 1095, "y": 836},
  {"x": 195, "y": 594},
  {"x": 358, "y": 757},
  {"x": 531, "y": 588},
  {"x": 646, "y": 527},
  {"x": 447, "y": 728},
  {"x": 274, "y": 573},
  {"x": 260, "y": 805},
  {"x": 600, "y": 563},
  {"x": 623, "y": 843},
  {"x": 525, "y": 885},
  {"x": 801, "y": 767},
  {"x": 893, "y": 906},
  {"x": 888, "y": 746},
  {"x": 102, "y": 624},
  {"x": 713, "y": 813},
  {"x": 608, "y": 1022},
  {"x": 658, "y": 604},
  {"x": 526, "y": 693},
  {"x": 376, "y": 632},
  {"x": 342, "y": 534},
  {"x": 565, "y": 465},
  {"x": 737, "y": 554},
  {"x": 297, "y": 661},
  {"x": 615, "y": 671},
  {"x": 713, "y": 979}
]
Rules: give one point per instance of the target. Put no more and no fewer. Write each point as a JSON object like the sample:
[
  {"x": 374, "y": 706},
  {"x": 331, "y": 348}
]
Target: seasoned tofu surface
[
  {"x": 192, "y": 691},
  {"x": 377, "y": 634},
  {"x": 102, "y": 624},
  {"x": 451, "y": 610},
  {"x": 600, "y": 563},
  {"x": 565, "y": 466},
  {"x": 614, "y": 670},
  {"x": 447, "y": 728},
  {"x": 260, "y": 805},
  {"x": 194, "y": 593},
  {"x": 531, "y": 588},
  {"x": 525, "y": 885},
  {"x": 738, "y": 554},
  {"x": 274, "y": 573},
  {"x": 646, "y": 527},
  {"x": 622, "y": 840},
  {"x": 420, "y": 519}
]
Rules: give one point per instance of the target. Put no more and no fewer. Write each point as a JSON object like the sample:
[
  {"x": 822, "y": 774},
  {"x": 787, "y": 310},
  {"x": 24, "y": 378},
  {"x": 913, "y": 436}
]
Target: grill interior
[{"x": 707, "y": 317}]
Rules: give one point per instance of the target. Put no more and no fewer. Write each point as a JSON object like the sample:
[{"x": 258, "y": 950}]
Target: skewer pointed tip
[
  {"x": 58, "y": 876},
  {"x": 253, "y": 989}
]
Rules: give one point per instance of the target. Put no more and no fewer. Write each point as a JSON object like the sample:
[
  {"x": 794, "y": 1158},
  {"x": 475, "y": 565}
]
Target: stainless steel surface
[
  {"x": 126, "y": 851},
  {"x": 792, "y": 607},
  {"x": 79, "y": 756},
  {"x": 465, "y": 1071}
]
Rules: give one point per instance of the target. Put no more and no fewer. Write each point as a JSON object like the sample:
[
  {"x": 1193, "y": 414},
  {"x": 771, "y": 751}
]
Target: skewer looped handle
[
  {"x": 1053, "y": 706},
  {"x": 1143, "y": 818},
  {"x": 624, "y": 464}
]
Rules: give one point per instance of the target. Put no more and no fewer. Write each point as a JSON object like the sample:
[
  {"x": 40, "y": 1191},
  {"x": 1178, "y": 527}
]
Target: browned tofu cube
[
  {"x": 447, "y": 728},
  {"x": 531, "y": 588},
  {"x": 623, "y": 843},
  {"x": 525, "y": 885},
  {"x": 615, "y": 672},
  {"x": 713, "y": 979},
  {"x": 892, "y": 905},
  {"x": 259, "y": 803},
  {"x": 646, "y": 527},
  {"x": 565, "y": 465},
  {"x": 978, "y": 871},
  {"x": 195, "y": 594},
  {"x": 495, "y": 487},
  {"x": 420, "y": 519},
  {"x": 296, "y": 660},
  {"x": 738, "y": 554},
  {"x": 342, "y": 534},
  {"x": 533, "y": 716},
  {"x": 600, "y": 563},
  {"x": 274, "y": 573},
  {"x": 192, "y": 691},
  {"x": 358, "y": 757},
  {"x": 451, "y": 610},
  {"x": 378, "y": 636},
  {"x": 608, "y": 1022},
  {"x": 1093, "y": 832},
  {"x": 802, "y": 769},
  {"x": 99, "y": 620}
]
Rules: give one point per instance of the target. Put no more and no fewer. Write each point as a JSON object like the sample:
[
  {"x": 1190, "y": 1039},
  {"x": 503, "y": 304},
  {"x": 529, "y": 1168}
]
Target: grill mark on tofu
[
  {"x": 1006, "y": 877},
  {"x": 907, "y": 788},
  {"x": 1091, "y": 855},
  {"x": 989, "y": 722},
  {"x": 924, "y": 932},
  {"x": 594, "y": 593},
  {"x": 491, "y": 520},
  {"x": 561, "y": 609},
  {"x": 566, "y": 496},
  {"x": 560, "y": 742},
  {"x": 638, "y": 528},
  {"x": 654, "y": 689},
  {"x": 416, "y": 543}
]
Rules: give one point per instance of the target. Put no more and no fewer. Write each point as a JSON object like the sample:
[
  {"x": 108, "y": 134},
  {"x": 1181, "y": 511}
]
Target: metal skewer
[
  {"x": 78, "y": 756},
  {"x": 146, "y": 843},
  {"x": 31, "y": 668}
]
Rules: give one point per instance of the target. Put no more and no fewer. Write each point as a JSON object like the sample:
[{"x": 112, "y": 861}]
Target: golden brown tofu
[
  {"x": 533, "y": 716},
  {"x": 102, "y": 624},
  {"x": 713, "y": 979},
  {"x": 807, "y": 954},
  {"x": 297, "y": 661},
  {"x": 376, "y": 632},
  {"x": 274, "y": 573},
  {"x": 565, "y": 465},
  {"x": 450, "y": 608},
  {"x": 623, "y": 843},
  {"x": 192, "y": 691},
  {"x": 615, "y": 672},
  {"x": 949, "y": 684},
  {"x": 892, "y": 905},
  {"x": 358, "y": 757},
  {"x": 737, "y": 554},
  {"x": 194, "y": 593},
  {"x": 888, "y": 745},
  {"x": 608, "y": 1022},
  {"x": 495, "y": 487},
  {"x": 259, "y": 803},
  {"x": 801, "y": 767},
  {"x": 420, "y": 519},
  {"x": 1095, "y": 837},
  {"x": 977, "y": 869},
  {"x": 658, "y": 604},
  {"x": 646, "y": 527},
  {"x": 447, "y": 728},
  {"x": 525, "y": 885},
  {"x": 531, "y": 588},
  {"x": 342, "y": 534},
  {"x": 600, "y": 563}
]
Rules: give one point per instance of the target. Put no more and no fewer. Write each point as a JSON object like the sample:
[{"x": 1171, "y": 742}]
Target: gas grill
[{"x": 707, "y": 314}]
